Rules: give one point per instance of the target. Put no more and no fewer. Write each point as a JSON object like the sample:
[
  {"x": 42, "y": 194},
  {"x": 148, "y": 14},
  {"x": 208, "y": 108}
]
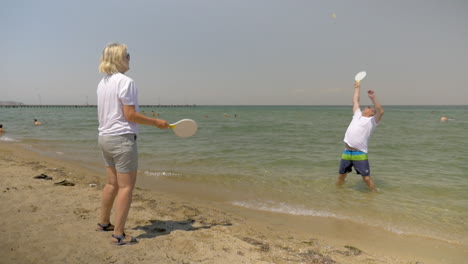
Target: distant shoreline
[
  {"x": 80, "y": 106},
  {"x": 20, "y": 105}
]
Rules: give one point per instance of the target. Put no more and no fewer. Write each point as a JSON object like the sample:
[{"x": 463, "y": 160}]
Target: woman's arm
[{"x": 133, "y": 116}]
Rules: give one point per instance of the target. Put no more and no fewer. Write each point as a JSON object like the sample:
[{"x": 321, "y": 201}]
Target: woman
[{"x": 118, "y": 118}]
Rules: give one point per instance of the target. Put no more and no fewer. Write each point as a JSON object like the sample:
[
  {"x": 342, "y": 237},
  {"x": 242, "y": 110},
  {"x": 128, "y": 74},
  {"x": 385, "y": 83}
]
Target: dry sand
[{"x": 41, "y": 222}]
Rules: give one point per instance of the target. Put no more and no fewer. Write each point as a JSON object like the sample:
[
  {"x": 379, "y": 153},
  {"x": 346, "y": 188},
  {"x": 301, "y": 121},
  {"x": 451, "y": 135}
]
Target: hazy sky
[{"x": 238, "y": 52}]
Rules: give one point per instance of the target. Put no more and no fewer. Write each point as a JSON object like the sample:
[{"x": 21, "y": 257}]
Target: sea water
[{"x": 285, "y": 159}]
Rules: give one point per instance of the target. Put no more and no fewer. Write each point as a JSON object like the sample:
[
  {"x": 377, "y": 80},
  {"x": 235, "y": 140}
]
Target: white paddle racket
[
  {"x": 184, "y": 128},
  {"x": 360, "y": 76}
]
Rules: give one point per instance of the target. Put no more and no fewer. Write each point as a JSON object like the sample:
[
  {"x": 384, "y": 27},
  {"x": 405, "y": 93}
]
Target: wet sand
[{"x": 41, "y": 222}]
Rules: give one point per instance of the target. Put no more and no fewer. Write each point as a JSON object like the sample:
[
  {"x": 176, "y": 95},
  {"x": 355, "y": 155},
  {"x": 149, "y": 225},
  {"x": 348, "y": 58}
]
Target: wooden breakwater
[{"x": 81, "y": 106}]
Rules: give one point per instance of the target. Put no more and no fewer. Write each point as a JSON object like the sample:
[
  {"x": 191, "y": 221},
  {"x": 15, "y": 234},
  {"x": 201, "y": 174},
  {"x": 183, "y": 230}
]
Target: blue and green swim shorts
[{"x": 356, "y": 159}]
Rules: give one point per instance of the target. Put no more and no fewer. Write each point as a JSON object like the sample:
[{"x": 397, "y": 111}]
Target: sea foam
[
  {"x": 284, "y": 208},
  {"x": 8, "y": 139}
]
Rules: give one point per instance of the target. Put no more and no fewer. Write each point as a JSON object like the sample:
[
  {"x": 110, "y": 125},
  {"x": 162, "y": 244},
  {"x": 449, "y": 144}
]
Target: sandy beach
[{"x": 42, "y": 222}]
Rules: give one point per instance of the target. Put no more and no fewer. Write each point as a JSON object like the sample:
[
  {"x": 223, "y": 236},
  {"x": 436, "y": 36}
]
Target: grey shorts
[{"x": 120, "y": 152}]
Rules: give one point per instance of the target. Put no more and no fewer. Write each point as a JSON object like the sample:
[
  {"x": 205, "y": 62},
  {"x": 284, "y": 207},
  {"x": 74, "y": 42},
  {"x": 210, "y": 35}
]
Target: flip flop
[
  {"x": 105, "y": 228},
  {"x": 65, "y": 183},
  {"x": 121, "y": 240},
  {"x": 43, "y": 177}
]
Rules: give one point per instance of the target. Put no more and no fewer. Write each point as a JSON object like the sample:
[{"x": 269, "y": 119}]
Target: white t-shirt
[
  {"x": 113, "y": 92},
  {"x": 359, "y": 130}
]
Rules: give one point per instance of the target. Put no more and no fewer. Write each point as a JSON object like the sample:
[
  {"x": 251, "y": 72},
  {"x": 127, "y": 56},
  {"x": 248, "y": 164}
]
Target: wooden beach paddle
[{"x": 184, "y": 128}]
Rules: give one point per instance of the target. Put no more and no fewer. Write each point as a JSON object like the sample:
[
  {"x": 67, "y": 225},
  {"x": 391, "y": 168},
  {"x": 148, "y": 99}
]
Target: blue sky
[{"x": 239, "y": 52}]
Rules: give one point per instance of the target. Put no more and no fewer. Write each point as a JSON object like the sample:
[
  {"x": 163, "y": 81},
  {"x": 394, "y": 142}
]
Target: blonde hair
[{"x": 113, "y": 59}]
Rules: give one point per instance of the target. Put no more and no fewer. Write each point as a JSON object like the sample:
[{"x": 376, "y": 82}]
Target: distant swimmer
[
  {"x": 443, "y": 119},
  {"x": 152, "y": 113},
  {"x": 357, "y": 137},
  {"x": 37, "y": 122},
  {"x": 1, "y": 129}
]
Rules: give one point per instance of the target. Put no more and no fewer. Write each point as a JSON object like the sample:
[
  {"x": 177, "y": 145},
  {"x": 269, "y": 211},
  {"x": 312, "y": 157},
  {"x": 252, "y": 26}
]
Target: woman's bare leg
[
  {"x": 126, "y": 184},
  {"x": 108, "y": 195}
]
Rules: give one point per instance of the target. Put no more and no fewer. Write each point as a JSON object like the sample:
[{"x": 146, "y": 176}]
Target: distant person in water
[
  {"x": 357, "y": 138},
  {"x": 1, "y": 129},
  {"x": 37, "y": 122}
]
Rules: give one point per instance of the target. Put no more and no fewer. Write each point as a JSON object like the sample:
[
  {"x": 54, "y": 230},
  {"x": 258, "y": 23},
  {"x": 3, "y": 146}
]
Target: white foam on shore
[
  {"x": 8, "y": 139},
  {"x": 279, "y": 207},
  {"x": 160, "y": 173},
  {"x": 284, "y": 208}
]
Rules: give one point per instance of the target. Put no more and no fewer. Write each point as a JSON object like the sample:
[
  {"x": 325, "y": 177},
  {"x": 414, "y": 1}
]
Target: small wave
[
  {"x": 271, "y": 206},
  {"x": 396, "y": 230},
  {"x": 8, "y": 139},
  {"x": 161, "y": 173},
  {"x": 284, "y": 208}
]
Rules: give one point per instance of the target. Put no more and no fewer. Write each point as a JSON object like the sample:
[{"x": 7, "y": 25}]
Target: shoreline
[
  {"x": 335, "y": 232},
  {"x": 44, "y": 223}
]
